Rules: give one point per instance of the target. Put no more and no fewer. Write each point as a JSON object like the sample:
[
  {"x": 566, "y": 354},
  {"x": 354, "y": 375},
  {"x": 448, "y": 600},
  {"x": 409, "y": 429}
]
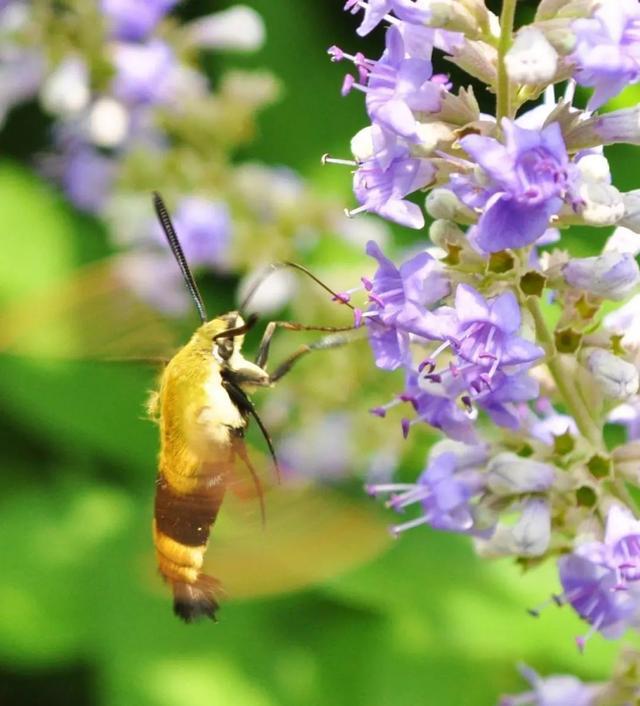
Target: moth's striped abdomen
[{"x": 182, "y": 523}]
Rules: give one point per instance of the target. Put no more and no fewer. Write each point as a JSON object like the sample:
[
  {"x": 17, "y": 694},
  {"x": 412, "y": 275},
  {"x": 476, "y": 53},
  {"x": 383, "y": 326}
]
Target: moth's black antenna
[
  {"x": 274, "y": 267},
  {"x": 176, "y": 249}
]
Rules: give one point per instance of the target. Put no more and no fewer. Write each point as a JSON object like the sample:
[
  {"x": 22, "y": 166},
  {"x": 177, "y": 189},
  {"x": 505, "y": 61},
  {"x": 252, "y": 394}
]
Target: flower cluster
[{"x": 524, "y": 470}]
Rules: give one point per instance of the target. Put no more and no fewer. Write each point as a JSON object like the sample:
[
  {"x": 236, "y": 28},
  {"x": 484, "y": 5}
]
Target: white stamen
[
  {"x": 397, "y": 529},
  {"x": 350, "y": 213},
  {"x": 328, "y": 159}
]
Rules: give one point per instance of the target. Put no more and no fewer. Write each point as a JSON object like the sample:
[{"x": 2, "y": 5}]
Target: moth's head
[{"x": 223, "y": 336}]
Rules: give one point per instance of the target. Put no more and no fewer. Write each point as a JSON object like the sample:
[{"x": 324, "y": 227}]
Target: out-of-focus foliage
[{"x": 83, "y": 617}]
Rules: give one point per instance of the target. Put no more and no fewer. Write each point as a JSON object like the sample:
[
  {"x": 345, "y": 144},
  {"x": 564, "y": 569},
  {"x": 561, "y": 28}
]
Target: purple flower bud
[
  {"x": 612, "y": 275},
  {"x": 618, "y": 126},
  {"x": 134, "y": 20},
  {"x": 531, "y": 59},
  {"x": 509, "y": 474},
  {"x": 617, "y": 378},
  {"x": 631, "y": 217},
  {"x": 532, "y": 532}
]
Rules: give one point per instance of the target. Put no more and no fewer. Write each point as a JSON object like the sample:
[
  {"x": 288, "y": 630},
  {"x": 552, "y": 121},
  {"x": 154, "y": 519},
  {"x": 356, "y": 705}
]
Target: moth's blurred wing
[
  {"x": 312, "y": 533},
  {"x": 92, "y": 315}
]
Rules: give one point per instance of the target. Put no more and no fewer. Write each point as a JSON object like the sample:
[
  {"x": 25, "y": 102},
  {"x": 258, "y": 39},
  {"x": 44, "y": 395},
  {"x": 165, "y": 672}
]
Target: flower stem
[
  {"x": 563, "y": 378},
  {"x": 507, "y": 16}
]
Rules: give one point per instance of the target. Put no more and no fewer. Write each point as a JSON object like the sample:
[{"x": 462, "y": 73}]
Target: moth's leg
[
  {"x": 332, "y": 341},
  {"x": 263, "y": 350},
  {"x": 245, "y": 405}
]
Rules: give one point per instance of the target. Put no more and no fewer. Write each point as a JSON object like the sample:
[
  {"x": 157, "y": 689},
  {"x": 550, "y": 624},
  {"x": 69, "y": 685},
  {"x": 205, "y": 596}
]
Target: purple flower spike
[
  {"x": 134, "y": 20},
  {"x": 607, "y": 51},
  {"x": 528, "y": 178}
]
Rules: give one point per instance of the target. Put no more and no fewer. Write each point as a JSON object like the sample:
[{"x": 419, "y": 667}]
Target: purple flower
[
  {"x": 527, "y": 180},
  {"x": 489, "y": 362},
  {"x": 396, "y": 87},
  {"x": 502, "y": 401},
  {"x": 204, "y": 229},
  {"x": 556, "y": 690},
  {"x": 444, "y": 491},
  {"x": 607, "y": 51},
  {"x": 445, "y": 406},
  {"x": 400, "y": 295},
  {"x": 600, "y": 579},
  {"x": 134, "y": 20},
  {"x": 377, "y": 10},
  {"x": 398, "y": 298},
  {"x": 383, "y": 191},
  {"x": 484, "y": 337},
  {"x": 143, "y": 72},
  {"x": 419, "y": 40},
  {"x": 390, "y": 345}
]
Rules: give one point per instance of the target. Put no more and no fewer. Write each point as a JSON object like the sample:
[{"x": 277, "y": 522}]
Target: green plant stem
[
  {"x": 507, "y": 16},
  {"x": 563, "y": 378}
]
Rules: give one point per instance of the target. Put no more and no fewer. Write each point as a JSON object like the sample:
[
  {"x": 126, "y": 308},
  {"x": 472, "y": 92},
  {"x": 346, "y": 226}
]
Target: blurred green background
[{"x": 83, "y": 618}]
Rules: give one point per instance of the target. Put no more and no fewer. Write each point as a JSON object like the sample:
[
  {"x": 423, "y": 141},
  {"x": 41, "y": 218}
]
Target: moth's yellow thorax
[{"x": 195, "y": 411}]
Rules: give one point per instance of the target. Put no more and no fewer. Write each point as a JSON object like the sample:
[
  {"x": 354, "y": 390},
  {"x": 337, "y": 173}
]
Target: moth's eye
[{"x": 225, "y": 348}]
